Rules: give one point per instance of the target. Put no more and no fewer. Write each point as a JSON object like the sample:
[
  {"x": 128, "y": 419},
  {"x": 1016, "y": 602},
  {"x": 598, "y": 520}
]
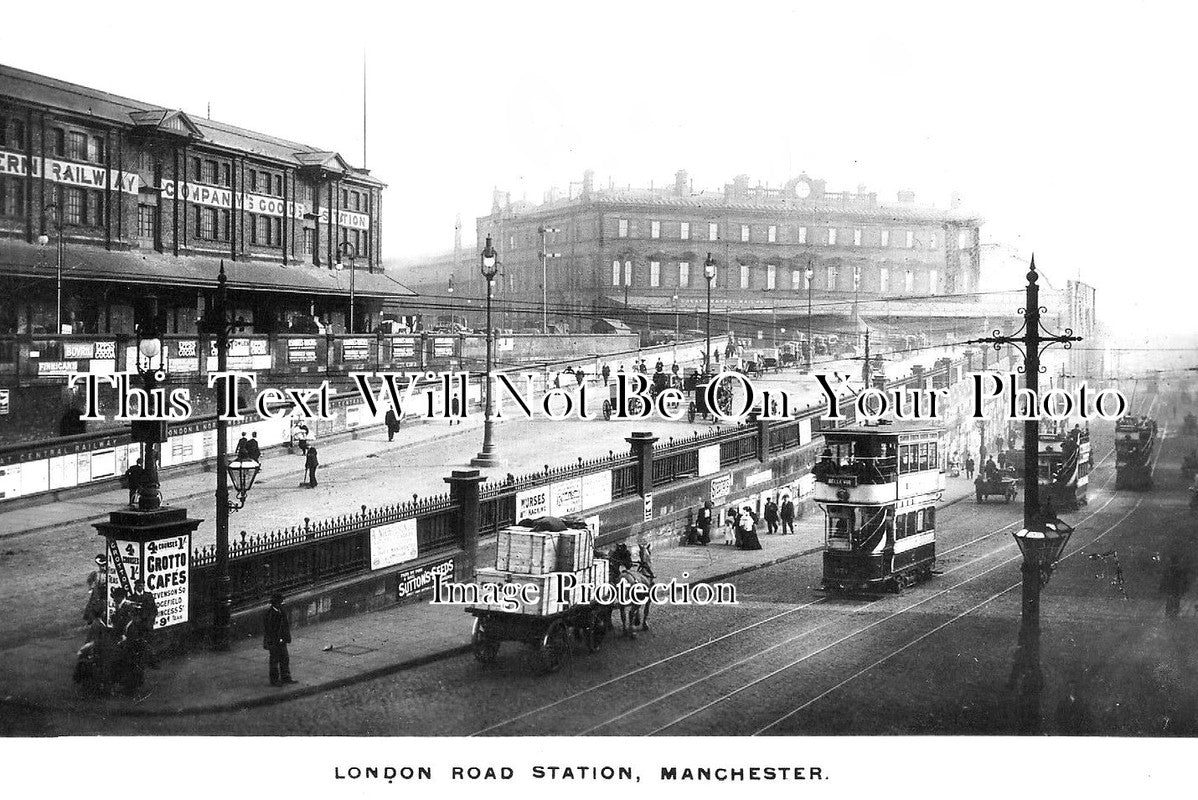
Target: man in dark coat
[
  {"x": 606, "y": 374},
  {"x": 243, "y": 448},
  {"x": 706, "y": 518},
  {"x": 787, "y": 514},
  {"x": 276, "y": 635},
  {"x": 135, "y": 477},
  {"x": 253, "y": 450},
  {"x": 311, "y": 462},
  {"x": 96, "y": 607},
  {"x": 148, "y": 607},
  {"x": 969, "y": 467},
  {"x": 771, "y": 516},
  {"x": 392, "y": 423}
]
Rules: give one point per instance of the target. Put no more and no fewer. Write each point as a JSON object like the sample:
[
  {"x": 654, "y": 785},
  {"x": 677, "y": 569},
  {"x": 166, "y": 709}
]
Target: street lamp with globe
[{"x": 489, "y": 268}]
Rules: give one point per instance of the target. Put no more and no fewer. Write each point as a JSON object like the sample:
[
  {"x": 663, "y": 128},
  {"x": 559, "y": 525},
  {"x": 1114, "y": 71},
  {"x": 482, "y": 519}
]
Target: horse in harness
[{"x": 629, "y": 574}]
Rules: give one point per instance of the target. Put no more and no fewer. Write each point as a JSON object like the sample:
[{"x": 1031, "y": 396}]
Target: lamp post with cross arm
[{"x": 1043, "y": 537}]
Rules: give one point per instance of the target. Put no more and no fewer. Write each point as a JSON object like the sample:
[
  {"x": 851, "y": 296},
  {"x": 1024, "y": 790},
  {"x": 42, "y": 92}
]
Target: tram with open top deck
[
  {"x": 1135, "y": 441},
  {"x": 1064, "y": 468},
  {"x": 878, "y": 486}
]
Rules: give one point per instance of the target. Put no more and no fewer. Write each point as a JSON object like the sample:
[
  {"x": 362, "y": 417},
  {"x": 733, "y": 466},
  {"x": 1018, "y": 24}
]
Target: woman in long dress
[{"x": 748, "y": 530}]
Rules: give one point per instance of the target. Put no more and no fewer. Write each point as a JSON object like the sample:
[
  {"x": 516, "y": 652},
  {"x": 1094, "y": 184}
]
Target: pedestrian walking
[
  {"x": 730, "y": 526},
  {"x": 96, "y": 606},
  {"x": 135, "y": 478},
  {"x": 747, "y": 527},
  {"x": 606, "y": 373},
  {"x": 580, "y": 375},
  {"x": 969, "y": 466},
  {"x": 148, "y": 608},
  {"x": 311, "y": 462},
  {"x": 392, "y": 423},
  {"x": 771, "y": 517},
  {"x": 787, "y": 514},
  {"x": 455, "y": 408},
  {"x": 243, "y": 448},
  {"x": 253, "y": 451},
  {"x": 276, "y": 635},
  {"x": 704, "y": 522},
  {"x": 301, "y": 436},
  {"x": 127, "y": 662}
]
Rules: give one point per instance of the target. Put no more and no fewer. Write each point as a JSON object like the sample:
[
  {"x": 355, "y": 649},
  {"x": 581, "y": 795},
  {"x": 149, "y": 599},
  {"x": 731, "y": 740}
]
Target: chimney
[
  {"x": 906, "y": 196},
  {"x": 681, "y": 183},
  {"x": 588, "y": 182}
]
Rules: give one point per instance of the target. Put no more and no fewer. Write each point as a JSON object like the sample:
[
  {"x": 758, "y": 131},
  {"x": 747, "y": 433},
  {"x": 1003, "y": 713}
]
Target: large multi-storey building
[
  {"x": 148, "y": 200},
  {"x": 621, "y": 247}
]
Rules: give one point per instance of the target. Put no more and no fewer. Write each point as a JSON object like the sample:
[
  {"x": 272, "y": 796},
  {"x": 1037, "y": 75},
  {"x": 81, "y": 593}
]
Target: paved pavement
[{"x": 37, "y": 674}]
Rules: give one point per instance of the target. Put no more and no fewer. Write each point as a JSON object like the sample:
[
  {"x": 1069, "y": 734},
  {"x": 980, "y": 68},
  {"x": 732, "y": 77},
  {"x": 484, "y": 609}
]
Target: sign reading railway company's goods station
[
  {"x": 88, "y": 176},
  {"x": 219, "y": 197}
]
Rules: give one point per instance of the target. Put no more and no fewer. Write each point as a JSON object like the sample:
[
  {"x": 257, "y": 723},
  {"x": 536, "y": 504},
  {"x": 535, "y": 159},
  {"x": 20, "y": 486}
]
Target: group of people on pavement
[
  {"x": 119, "y": 644},
  {"x": 741, "y": 523}
]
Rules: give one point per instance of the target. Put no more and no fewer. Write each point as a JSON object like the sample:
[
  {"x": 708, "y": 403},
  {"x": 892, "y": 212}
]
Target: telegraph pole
[{"x": 545, "y": 278}]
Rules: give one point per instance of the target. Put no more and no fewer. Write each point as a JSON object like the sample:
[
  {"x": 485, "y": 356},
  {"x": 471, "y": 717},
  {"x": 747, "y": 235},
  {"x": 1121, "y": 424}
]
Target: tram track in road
[
  {"x": 555, "y": 708},
  {"x": 852, "y": 636}
]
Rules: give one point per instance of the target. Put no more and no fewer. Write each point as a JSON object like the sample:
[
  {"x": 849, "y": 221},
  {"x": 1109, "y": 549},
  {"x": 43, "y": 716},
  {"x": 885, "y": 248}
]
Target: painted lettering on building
[{"x": 87, "y": 176}]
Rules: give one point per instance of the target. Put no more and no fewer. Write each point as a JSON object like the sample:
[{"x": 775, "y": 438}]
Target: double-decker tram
[
  {"x": 1135, "y": 441},
  {"x": 1064, "y": 468},
  {"x": 878, "y": 486}
]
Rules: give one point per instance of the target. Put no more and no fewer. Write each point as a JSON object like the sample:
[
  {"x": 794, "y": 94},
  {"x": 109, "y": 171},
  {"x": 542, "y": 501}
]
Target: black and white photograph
[{"x": 808, "y": 390}]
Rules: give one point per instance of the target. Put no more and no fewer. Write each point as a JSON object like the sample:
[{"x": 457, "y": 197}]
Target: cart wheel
[
  {"x": 607, "y": 409},
  {"x": 486, "y": 649},
  {"x": 598, "y": 623},
  {"x": 554, "y": 647}
]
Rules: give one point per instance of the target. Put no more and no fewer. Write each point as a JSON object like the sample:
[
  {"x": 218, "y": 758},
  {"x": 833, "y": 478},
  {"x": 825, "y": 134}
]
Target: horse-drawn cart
[
  {"x": 549, "y": 636},
  {"x": 1005, "y": 486}
]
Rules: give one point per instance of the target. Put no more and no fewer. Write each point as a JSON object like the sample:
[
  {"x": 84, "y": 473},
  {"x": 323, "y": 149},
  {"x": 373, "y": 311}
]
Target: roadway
[{"x": 789, "y": 660}]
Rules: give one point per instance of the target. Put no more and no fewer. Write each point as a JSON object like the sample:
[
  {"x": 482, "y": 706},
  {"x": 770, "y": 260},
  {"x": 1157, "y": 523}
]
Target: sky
[{"x": 1069, "y": 126}]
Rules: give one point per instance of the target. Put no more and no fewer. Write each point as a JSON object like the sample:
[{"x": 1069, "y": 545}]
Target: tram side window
[
  {"x": 929, "y": 519},
  {"x": 923, "y": 457},
  {"x": 840, "y": 522},
  {"x": 905, "y": 458},
  {"x": 933, "y": 461}
]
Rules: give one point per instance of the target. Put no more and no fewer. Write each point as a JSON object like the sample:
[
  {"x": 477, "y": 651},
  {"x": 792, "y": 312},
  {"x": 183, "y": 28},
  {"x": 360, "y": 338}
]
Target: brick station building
[
  {"x": 637, "y": 249},
  {"x": 148, "y": 200}
]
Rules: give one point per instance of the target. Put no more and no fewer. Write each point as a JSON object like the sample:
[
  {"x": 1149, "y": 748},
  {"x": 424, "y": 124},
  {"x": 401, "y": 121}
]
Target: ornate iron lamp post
[
  {"x": 809, "y": 274},
  {"x": 1043, "y": 537},
  {"x": 347, "y": 248},
  {"x": 709, "y": 274},
  {"x": 44, "y": 240},
  {"x": 489, "y": 268}
]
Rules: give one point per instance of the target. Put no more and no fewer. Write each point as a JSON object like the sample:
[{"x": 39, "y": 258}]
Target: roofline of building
[{"x": 138, "y": 105}]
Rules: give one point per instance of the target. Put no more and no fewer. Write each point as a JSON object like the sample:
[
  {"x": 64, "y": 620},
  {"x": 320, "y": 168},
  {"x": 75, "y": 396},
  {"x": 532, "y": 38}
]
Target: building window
[
  {"x": 73, "y": 210},
  {"x": 831, "y": 236},
  {"x": 308, "y": 238},
  {"x": 222, "y": 229},
  {"x": 253, "y": 226},
  {"x": 623, "y": 233},
  {"x": 345, "y": 198},
  {"x": 655, "y": 273},
  {"x": 197, "y": 169},
  {"x": 685, "y": 232},
  {"x": 909, "y": 282},
  {"x": 95, "y": 208},
  {"x": 212, "y": 172},
  {"x": 962, "y": 240},
  {"x": 796, "y": 280},
  {"x": 627, "y": 273},
  {"x": 253, "y": 180},
  {"x": 226, "y": 175},
  {"x": 13, "y": 134},
  {"x": 910, "y": 238},
  {"x": 744, "y": 233},
  {"x": 713, "y": 231},
  {"x": 684, "y": 274},
  {"x": 831, "y": 278},
  {"x": 933, "y": 281},
  {"x": 932, "y": 242},
  {"x": 654, "y": 230},
  {"x": 803, "y": 235},
  {"x": 744, "y": 276},
  {"x": 77, "y": 146},
  {"x": 886, "y": 238},
  {"x": 12, "y": 197},
  {"x": 98, "y": 149},
  {"x": 771, "y": 275},
  {"x": 615, "y": 273},
  {"x": 884, "y": 279},
  {"x": 278, "y": 186},
  {"x": 206, "y": 223},
  {"x": 147, "y": 219},
  {"x": 771, "y": 234},
  {"x": 856, "y": 237}
]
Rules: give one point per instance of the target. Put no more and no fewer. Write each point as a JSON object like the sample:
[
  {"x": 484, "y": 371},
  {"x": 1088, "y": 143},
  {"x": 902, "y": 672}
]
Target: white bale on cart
[
  {"x": 523, "y": 550},
  {"x": 546, "y": 602}
]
